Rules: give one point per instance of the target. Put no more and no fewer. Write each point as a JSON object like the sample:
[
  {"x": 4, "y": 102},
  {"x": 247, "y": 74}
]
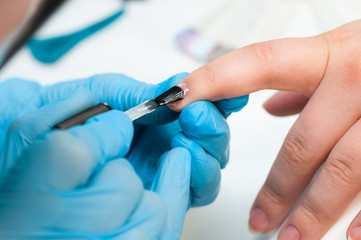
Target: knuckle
[
  {"x": 312, "y": 213},
  {"x": 345, "y": 35},
  {"x": 67, "y": 153},
  {"x": 263, "y": 52},
  {"x": 26, "y": 127},
  {"x": 345, "y": 44},
  {"x": 17, "y": 126},
  {"x": 273, "y": 195},
  {"x": 340, "y": 169},
  {"x": 352, "y": 69},
  {"x": 296, "y": 151}
]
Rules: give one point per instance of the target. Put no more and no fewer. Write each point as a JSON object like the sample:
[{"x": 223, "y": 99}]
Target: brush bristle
[{"x": 172, "y": 95}]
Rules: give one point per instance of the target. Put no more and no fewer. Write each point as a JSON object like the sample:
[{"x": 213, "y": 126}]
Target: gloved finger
[
  {"x": 203, "y": 123},
  {"x": 148, "y": 218},
  {"x": 121, "y": 93},
  {"x": 107, "y": 135},
  {"x": 134, "y": 233},
  {"x": 205, "y": 171},
  {"x": 105, "y": 204},
  {"x": 148, "y": 146},
  {"x": 17, "y": 97},
  {"x": 285, "y": 103},
  {"x": 228, "y": 106},
  {"x": 55, "y": 160},
  {"x": 24, "y": 130},
  {"x": 172, "y": 183}
]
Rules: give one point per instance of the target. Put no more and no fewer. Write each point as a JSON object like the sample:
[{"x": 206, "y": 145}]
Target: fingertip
[
  {"x": 228, "y": 106},
  {"x": 195, "y": 115},
  {"x": 268, "y": 107},
  {"x": 258, "y": 221},
  {"x": 354, "y": 233},
  {"x": 203, "y": 118},
  {"x": 190, "y": 94},
  {"x": 285, "y": 103},
  {"x": 179, "y": 158},
  {"x": 205, "y": 171},
  {"x": 174, "y": 170},
  {"x": 354, "y": 230}
]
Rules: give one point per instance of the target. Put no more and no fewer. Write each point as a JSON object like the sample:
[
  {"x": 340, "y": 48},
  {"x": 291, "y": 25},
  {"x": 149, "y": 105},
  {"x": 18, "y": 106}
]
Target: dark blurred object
[{"x": 45, "y": 10}]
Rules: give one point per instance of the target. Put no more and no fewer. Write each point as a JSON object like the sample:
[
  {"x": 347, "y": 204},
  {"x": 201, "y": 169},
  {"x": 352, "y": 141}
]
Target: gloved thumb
[
  {"x": 23, "y": 131},
  {"x": 172, "y": 183}
]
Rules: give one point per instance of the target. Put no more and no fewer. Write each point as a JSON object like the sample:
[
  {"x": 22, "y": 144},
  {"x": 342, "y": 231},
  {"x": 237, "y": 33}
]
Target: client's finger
[
  {"x": 335, "y": 187},
  {"x": 354, "y": 230},
  {"x": 305, "y": 148},
  {"x": 286, "y": 64},
  {"x": 286, "y": 103}
]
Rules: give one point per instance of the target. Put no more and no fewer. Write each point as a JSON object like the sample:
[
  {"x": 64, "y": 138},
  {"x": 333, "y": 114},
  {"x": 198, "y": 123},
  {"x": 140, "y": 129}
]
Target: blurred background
[{"x": 154, "y": 39}]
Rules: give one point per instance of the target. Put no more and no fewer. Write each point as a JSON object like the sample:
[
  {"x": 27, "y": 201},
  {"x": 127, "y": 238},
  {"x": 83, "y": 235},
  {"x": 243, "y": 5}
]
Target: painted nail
[
  {"x": 258, "y": 221},
  {"x": 355, "y": 233},
  {"x": 184, "y": 87},
  {"x": 289, "y": 233}
]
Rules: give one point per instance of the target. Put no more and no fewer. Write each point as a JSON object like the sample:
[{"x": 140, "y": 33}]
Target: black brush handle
[{"x": 80, "y": 118}]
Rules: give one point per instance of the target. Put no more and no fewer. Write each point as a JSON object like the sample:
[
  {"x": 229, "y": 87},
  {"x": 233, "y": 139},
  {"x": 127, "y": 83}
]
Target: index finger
[{"x": 285, "y": 64}]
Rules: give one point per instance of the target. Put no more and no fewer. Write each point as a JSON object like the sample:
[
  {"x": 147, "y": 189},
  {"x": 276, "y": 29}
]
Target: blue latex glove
[
  {"x": 205, "y": 135},
  {"x": 75, "y": 183}
]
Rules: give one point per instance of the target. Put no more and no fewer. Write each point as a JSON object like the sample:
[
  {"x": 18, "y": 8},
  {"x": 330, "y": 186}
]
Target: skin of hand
[
  {"x": 323, "y": 75},
  {"x": 76, "y": 184}
]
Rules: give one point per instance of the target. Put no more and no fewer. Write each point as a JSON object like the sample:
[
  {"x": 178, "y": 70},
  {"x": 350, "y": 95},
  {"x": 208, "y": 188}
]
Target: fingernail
[
  {"x": 184, "y": 87},
  {"x": 258, "y": 221},
  {"x": 289, "y": 233},
  {"x": 355, "y": 233}
]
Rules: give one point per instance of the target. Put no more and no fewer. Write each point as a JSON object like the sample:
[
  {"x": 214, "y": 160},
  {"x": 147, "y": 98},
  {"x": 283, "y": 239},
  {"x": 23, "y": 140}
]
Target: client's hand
[{"x": 325, "y": 137}]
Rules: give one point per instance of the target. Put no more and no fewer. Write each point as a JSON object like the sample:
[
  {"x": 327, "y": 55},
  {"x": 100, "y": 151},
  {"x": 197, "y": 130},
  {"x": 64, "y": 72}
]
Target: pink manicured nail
[
  {"x": 184, "y": 87},
  {"x": 289, "y": 233},
  {"x": 355, "y": 233},
  {"x": 258, "y": 221}
]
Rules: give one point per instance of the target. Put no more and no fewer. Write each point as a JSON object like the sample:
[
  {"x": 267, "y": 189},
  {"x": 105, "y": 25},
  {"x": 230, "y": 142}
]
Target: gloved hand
[
  {"x": 75, "y": 183},
  {"x": 201, "y": 128}
]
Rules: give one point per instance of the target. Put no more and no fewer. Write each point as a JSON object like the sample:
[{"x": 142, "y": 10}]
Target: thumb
[
  {"x": 172, "y": 183},
  {"x": 285, "y": 64},
  {"x": 23, "y": 131}
]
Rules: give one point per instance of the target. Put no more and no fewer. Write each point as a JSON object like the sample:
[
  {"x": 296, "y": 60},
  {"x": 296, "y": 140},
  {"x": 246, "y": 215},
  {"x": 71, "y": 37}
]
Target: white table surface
[{"x": 141, "y": 45}]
